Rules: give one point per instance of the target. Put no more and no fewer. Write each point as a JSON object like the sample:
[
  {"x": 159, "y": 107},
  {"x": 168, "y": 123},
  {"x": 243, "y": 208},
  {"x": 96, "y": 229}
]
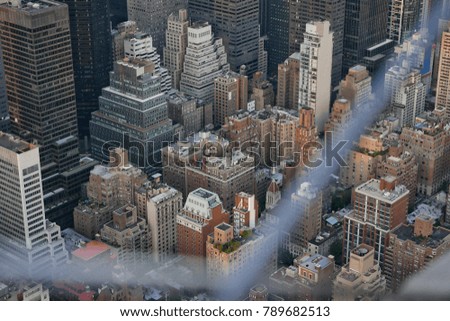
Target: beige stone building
[
  {"x": 128, "y": 233},
  {"x": 159, "y": 205},
  {"x": 429, "y": 142},
  {"x": 229, "y": 257},
  {"x": 108, "y": 188},
  {"x": 262, "y": 92},
  {"x": 362, "y": 160},
  {"x": 176, "y": 43},
  {"x": 339, "y": 118},
  {"x": 361, "y": 278},
  {"x": 288, "y": 82},
  {"x": 309, "y": 279},
  {"x": 207, "y": 161},
  {"x": 230, "y": 95},
  {"x": 306, "y": 224},
  {"x": 403, "y": 166},
  {"x": 356, "y": 87}
]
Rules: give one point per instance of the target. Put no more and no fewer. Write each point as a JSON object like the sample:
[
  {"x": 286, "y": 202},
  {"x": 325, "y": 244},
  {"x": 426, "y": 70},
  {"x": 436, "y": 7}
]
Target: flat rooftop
[
  {"x": 224, "y": 227},
  {"x": 372, "y": 189},
  {"x": 14, "y": 144},
  {"x": 406, "y": 232},
  {"x": 91, "y": 250},
  {"x": 314, "y": 262},
  {"x": 31, "y": 6}
]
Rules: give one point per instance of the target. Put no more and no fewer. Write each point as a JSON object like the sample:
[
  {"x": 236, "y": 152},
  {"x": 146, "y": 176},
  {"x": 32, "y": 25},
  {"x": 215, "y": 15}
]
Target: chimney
[
  {"x": 388, "y": 183},
  {"x": 423, "y": 226}
]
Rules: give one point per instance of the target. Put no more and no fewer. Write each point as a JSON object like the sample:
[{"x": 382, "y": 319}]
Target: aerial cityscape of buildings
[{"x": 176, "y": 150}]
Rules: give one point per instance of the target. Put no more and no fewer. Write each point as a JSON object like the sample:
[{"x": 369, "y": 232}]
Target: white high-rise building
[
  {"x": 316, "y": 54},
  {"x": 29, "y": 244},
  {"x": 205, "y": 60},
  {"x": 140, "y": 45},
  {"x": 406, "y": 93}
]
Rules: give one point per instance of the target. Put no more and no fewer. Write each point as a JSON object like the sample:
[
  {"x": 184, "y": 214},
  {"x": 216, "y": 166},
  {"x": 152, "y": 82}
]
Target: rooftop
[
  {"x": 314, "y": 262},
  {"x": 406, "y": 232},
  {"x": 372, "y": 189},
  {"x": 14, "y": 143},
  {"x": 30, "y": 6},
  {"x": 224, "y": 227},
  {"x": 91, "y": 250}
]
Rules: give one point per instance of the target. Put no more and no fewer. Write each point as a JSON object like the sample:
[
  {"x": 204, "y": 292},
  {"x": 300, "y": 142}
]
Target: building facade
[
  {"x": 29, "y": 244},
  {"x": 412, "y": 248},
  {"x": 303, "y": 12},
  {"x": 378, "y": 207},
  {"x": 230, "y": 96},
  {"x": 237, "y": 23},
  {"x": 132, "y": 114},
  {"x": 442, "y": 88},
  {"x": 42, "y": 104},
  {"x": 361, "y": 278},
  {"x": 151, "y": 17},
  {"x": 316, "y": 53},
  {"x": 204, "y": 61},
  {"x": 91, "y": 51},
  {"x": 288, "y": 82},
  {"x": 202, "y": 211},
  {"x": 159, "y": 205},
  {"x": 365, "y": 26},
  {"x": 4, "y": 112},
  {"x": 176, "y": 43}
]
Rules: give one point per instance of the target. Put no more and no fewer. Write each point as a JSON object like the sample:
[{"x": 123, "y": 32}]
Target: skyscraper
[
  {"x": 406, "y": 93},
  {"x": 443, "y": 90},
  {"x": 133, "y": 113},
  {"x": 278, "y": 24},
  {"x": 236, "y": 22},
  {"x": 365, "y": 26},
  {"x": 305, "y": 11},
  {"x": 176, "y": 43},
  {"x": 307, "y": 204},
  {"x": 205, "y": 60},
  {"x": 41, "y": 95},
  {"x": 403, "y": 18},
  {"x": 4, "y": 114},
  {"x": 356, "y": 87},
  {"x": 159, "y": 204},
  {"x": 288, "y": 78},
  {"x": 316, "y": 70},
  {"x": 230, "y": 95},
  {"x": 28, "y": 243},
  {"x": 151, "y": 17},
  {"x": 139, "y": 45},
  {"x": 90, "y": 33},
  {"x": 118, "y": 11}
]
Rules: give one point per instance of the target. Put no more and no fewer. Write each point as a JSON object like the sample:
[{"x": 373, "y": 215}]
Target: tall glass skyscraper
[
  {"x": 278, "y": 24},
  {"x": 365, "y": 26},
  {"x": 90, "y": 32}
]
